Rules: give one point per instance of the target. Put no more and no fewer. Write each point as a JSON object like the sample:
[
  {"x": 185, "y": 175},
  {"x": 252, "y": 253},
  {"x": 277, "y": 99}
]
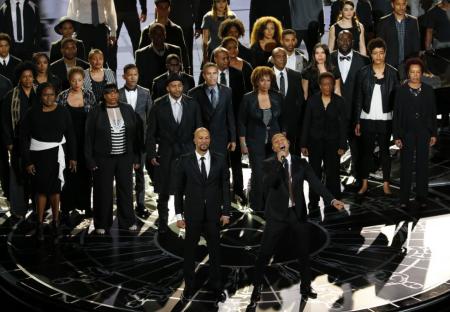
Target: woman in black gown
[{"x": 45, "y": 129}]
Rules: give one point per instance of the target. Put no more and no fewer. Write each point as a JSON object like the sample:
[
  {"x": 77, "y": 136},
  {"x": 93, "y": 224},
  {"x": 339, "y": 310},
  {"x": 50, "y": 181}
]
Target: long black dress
[{"x": 47, "y": 127}]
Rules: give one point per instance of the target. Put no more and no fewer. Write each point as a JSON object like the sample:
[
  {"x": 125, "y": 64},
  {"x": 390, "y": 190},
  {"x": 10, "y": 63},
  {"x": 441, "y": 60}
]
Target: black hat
[
  {"x": 64, "y": 19},
  {"x": 161, "y": 1},
  {"x": 173, "y": 77}
]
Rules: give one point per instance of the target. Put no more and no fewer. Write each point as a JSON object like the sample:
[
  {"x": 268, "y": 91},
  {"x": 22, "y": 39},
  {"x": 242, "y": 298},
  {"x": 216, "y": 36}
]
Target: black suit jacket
[
  {"x": 293, "y": 109},
  {"x": 151, "y": 65},
  {"x": 219, "y": 121},
  {"x": 348, "y": 87},
  {"x": 55, "y": 50},
  {"x": 5, "y": 86},
  {"x": 9, "y": 70},
  {"x": 173, "y": 139},
  {"x": 201, "y": 200},
  {"x": 159, "y": 84},
  {"x": 59, "y": 69},
  {"x": 277, "y": 191},
  {"x": 387, "y": 30}
]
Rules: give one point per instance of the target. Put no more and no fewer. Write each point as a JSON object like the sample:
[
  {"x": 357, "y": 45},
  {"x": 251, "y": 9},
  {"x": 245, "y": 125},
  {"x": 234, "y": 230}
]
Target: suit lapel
[
  {"x": 168, "y": 107},
  {"x": 122, "y": 96},
  {"x": 196, "y": 168},
  {"x": 207, "y": 101}
]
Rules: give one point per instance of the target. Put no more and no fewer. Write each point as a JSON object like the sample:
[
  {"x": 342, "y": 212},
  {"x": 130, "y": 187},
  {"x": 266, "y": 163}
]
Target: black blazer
[
  {"x": 55, "y": 50},
  {"x": 97, "y": 142},
  {"x": 198, "y": 199},
  {"x": 219, "y": 121},
  {"x": 159, "y": 84},
  {"x": 294, "y": 105},
  {"x": 5, "y": 86},
  {"x": 324, "y": 124},
  {"x": 387, "y": 30},
  {"x": 365, "y": 82},
  {"x": 60, "y": 70},
  {"x": 348, "y": 87},
  {"x": 277, "y": 191},
  {"x": 251, "y": 125},
  {"x": 173, "y": 139},
  {"x": 9, "y": 70},
  {"x": 151, "y": 65}
]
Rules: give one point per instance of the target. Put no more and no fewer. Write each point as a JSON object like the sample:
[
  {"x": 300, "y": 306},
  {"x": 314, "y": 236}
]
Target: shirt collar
[
  {"x": 277, "y": 71},
  {"x": 173, "y": 101},
  {"x": 288, "y": 158},
  {"x": 349, "y": 54},
  {"x": 207, "y": 155},
  {"x": 223, "y": 71},
  {"x": 128, "y": 89},
  {"x": 215, "y": 87},
  {"x": 5, "y": 59}
]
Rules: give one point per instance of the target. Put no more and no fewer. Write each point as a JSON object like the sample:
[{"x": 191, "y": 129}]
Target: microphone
[{"x": 283, "y": 158}]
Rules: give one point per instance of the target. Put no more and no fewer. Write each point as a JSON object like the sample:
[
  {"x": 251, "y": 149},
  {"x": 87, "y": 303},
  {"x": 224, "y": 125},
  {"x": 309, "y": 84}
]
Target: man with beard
[{"x": 296, "y": 60}]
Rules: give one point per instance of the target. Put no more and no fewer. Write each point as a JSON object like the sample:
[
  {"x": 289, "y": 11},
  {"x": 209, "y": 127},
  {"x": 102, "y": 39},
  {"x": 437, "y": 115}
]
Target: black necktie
[
  {"x": 342, "y": 58},
  {"x": 94, "y": 12},
  {"x": 223, "y": 78},
  {"x": 19, "y": 22},
  {"x": 4, "y": 63},
  {"x": 213, "y": 98},
  {"x": 288, "y": 176},
  {"x": 282, "y": 85},
  {"x": 203, "y": 168}
]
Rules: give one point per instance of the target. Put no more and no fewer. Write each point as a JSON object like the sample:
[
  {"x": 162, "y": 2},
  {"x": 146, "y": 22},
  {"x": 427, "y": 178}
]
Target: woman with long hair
[
  {"x": 266, "y": 36},
  {"x": 42, "y": 61}
]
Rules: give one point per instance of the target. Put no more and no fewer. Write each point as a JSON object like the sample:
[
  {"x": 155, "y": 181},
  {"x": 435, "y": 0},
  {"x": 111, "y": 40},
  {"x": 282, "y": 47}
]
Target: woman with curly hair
[
  {"x": 320, "y": 63},
  {"x": 265, "y": 37},
  {"x": 235, "y": 28},
  {"x": 348, "y": 20}
]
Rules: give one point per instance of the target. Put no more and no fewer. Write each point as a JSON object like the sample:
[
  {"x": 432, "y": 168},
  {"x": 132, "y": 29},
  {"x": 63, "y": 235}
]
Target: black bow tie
[
  {"x": 347, "y": 58},
  {"x": 128, "y": 89}
]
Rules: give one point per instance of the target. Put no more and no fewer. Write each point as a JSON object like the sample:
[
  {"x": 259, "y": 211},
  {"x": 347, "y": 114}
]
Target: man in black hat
[
  {"x": 66, "y": 27},
  {"x": 172, "y": 122}
]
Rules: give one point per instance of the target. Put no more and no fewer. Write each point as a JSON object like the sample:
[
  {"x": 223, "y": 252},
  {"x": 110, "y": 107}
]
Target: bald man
[{"x": 202, "y": 204}]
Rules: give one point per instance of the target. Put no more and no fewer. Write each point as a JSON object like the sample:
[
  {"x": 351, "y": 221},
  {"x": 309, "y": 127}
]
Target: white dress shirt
[
  {"x": 14, "y": 18},
  {"x": 80, "y": 10},
  {"x": 4, "y": 60},
  {"x": 344, "y": 65},
  {"x": 292, "y": 61},
  {"x": 277, "y": 75},
  {"x": 131, "y": 96},
  {"x": 227, "y": 76},
  {"x": 376, "y": 107},
  {"x": 177, "y": 108}
]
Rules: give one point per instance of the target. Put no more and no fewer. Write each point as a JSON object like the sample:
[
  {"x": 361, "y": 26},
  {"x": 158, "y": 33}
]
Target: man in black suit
[
  {"x": 69, "y": 60},
  {"x": 173, "y": 65},
  {"x": 400, "y": 31},
  {"x": 202, "y": 200},
  {"x": 5, "y": 87},
  {"x": 288, "y": 82},
  {"x": 172, "y": 122},
  {"x": 174, "y": 33},
  {"x": 21, "y": 21},
  {"x": 151, "y": 60},
  {"x": 8, "y": 62},
  {"x": 284, "y": 175},
  {"x": 349, "y": 62},
  {"x": 216, "y": 105},
  {"x": 66, "y": 27}
]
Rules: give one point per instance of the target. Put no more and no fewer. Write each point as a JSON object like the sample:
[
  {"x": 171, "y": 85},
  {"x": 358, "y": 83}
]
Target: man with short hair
[
  {"x": 8, "y": 62},
  {"x": 437, "y": 23},
  {"x": 296, "y": 60}
]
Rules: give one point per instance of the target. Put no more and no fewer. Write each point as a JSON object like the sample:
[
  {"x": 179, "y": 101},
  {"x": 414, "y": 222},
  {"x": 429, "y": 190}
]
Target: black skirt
[{"x": 46, "y": 180}]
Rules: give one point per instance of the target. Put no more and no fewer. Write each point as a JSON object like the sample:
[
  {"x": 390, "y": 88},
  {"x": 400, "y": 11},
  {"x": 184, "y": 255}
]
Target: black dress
[
  {"x": 260, "y": 57},
  {"x": 47, "y": 127},
  {"x": 312, "y": 75}
]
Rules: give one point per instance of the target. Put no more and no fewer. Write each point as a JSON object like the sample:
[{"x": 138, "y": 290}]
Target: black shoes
[
  {"x": 255, "y": 297},
  {"x": 142, "y": 212},
  {"x": 187, "y": 295},
  {"x": 308, "y": 293}
]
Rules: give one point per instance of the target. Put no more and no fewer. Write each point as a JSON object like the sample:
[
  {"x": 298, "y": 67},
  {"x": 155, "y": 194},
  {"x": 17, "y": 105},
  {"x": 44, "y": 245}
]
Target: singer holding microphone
[{"x": 285, "y": 209}]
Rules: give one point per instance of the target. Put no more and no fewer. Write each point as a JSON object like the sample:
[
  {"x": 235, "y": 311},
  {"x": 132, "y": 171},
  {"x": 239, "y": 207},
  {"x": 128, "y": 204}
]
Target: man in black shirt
[{"x": 438, "y": 26}]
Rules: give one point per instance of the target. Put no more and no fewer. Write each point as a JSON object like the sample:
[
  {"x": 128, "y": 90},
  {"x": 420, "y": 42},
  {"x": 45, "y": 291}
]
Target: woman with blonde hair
[{"x": 266, "y": 36}]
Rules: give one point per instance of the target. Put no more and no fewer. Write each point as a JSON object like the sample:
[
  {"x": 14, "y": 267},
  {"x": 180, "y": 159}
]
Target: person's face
[
  {"x": 48, "y": 97},
  {"x": 221, "y": 6},
  {"x": 96, "y": 61},
  {"x": 202, "y": 140},
  {"x": 76, "y": 81},
  {"x": 158, "y": 37},
  {"x": 67, "y": 29},
  {"x": 415, "y": 73},
  {"x": 233, "y": 32},
  {"x": 399, "y": 7},
  {"x": 163, "y": 9},
  {"x": 173, "y": 66},
  {"x": 26, "y": 79},
  {"x": 222, "y": 60},
  {"x": 4, "y": 48},
  {"x": 344, "y": 42},
  {"x": 264, "y": 83},
  {"x": 131, "y": 77},
  {"x": 269, "y": 31},
  {"x": 69, "y": 51},
  {"x": 279, "y": 142},
  {"x": 210, "y": 75},
  {"x": 112, "y": 97},
  {"x": 327, "y": 86},
  {"x": 378, "y": 56},
  {"x": 175, "y": 89},
  {"x": 42, "y": 64},
  {"x": 348, "y": 11},
  {"x": 279, "y": 59},
  {"x": 289, "y": 42},
  {"x": 233, "y": 50},
  {"x": 320, "y": 56}
]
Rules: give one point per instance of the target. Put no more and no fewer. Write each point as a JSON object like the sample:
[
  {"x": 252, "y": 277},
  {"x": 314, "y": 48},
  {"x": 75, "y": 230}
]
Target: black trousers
[
  {"x": 272, "y": 236},
  {"x": 132, "y": 23},
  {"x": 355, "y": 150},
  {"x": 139, "y": 186},
  {"x": 163, "y": 209},
  {"x": 94, "y": 37},
  {"x": 371, "y": 132},
  {"x": 4, "y": 170},
  {"x": 326, "y": 152},
  {"x": 120, "y": 169},
  {"x": 76, "y": 192},
  {"x": 256, "y": 183},
  {"x": 193, "y": 232},
  {"x": 236, "y": 170},
  {"x": 417, "y": 143},
  {"x": 311, "y": 36}
]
